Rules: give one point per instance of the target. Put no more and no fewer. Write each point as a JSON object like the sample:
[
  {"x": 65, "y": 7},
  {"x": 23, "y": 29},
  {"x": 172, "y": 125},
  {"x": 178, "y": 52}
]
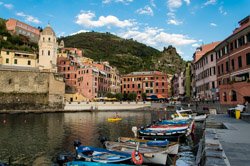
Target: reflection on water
[{"x": 34, "y": 139}]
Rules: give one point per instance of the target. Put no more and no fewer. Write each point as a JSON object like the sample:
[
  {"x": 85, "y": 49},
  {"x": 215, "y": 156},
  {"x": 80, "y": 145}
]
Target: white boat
[
  {"x": 190, "y": 115},
  {"x": 200, "y": 118},
  {"x": 151, "y": 155}
]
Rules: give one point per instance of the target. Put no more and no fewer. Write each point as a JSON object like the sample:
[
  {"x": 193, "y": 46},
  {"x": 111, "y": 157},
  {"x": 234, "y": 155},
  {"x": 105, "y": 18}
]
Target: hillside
[
  {"x": 14, "y": 42},
  {"x": 126, "y": 54}
]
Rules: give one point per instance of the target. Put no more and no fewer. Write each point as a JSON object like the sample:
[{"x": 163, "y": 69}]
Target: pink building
[
  {"x": 88, "y": 79},
  {"x": 205, "y": 75},
  {"x": 72, "y": 51},
  {"x": 149, "y": 82},
  {"x": 19, "y": 28}
]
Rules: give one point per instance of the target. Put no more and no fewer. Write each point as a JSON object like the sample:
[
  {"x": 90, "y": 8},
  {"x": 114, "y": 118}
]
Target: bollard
[{"x": 237, "y": 114}]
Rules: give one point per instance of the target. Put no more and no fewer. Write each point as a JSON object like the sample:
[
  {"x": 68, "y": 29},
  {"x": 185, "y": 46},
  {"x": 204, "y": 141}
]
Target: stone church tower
[{"x": 47, "y": 50}]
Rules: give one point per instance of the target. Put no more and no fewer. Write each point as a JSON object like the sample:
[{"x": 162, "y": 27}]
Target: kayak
[{"x": 114, "y": 119}]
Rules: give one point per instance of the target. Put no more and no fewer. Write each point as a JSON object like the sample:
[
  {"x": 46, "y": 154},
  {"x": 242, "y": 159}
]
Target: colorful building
[
  {"x": 18, "y": 58},
  {"x": 48, "y": 50},
  {"x": 233, "y": 65},
  {"x": 187, "y": 80},
  {"x": 205, "y": 72},
  {"x": 178, "y": 85},
  {"x": 87, "y": 78},
  {"x": 149, "y": 82},
  {"x": 19, "y": 28}
]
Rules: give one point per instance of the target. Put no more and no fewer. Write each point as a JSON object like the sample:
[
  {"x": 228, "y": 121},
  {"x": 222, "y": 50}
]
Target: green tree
[
  {"x": 132, "y": 96},
  {"x": 110, "y": 95},
  {"x": 119, "y": 96},
  {"x": 144, "y": 96}
]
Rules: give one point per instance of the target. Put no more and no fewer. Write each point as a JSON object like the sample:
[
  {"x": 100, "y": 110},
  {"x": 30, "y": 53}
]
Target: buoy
[{"x": 137, "y": 157}]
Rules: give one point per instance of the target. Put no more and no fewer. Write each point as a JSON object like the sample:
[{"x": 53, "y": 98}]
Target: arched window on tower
[
  {"x": 42, "y": 52},
  {"x": 49, "y": 39},
  {"x": 49, "y": 53},
  {"x": 43, "y": 38}
]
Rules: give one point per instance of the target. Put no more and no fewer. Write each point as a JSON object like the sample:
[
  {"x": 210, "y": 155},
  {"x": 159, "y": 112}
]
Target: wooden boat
[
  {"x": 114, "y": 119},
  {"x": 168, "y": 127},
  {"x": 84, "y": 163},
  {"x": 174, "y": 133},
  {"x": 150, "y": 143},
  {"x": 172, "y": 122},
  {"x": 152, "y": 155},
  {"x": 101, "y": 155}
]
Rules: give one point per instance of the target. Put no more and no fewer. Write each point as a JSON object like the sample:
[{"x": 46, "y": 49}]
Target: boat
[
  {"x": 89, "y": 153},
  {"x": 150, "y": 154},
  {"x": 155, "y": 143},
  {"x": 114, "y": 119},
  {"x": 187, "y": 115},
  {"x": 170, "y": 132},
  {"x": 173, "y": 122},
  {"x": 183, "y": 114},
  {"x": 85, "y": 163},
  {"x": 200, "y": 118},
  {"x": 168, "y": 127}
]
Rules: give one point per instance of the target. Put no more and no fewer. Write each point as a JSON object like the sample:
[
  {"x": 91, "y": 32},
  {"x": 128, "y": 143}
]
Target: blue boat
[
  {"x": 84, "y": 163},
  {"x": 101, "y": 155},
  {"x": 172, "y": 122}
]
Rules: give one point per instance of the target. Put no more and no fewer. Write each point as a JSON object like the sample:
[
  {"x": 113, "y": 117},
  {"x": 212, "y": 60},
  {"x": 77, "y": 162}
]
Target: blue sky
[{"x": 185, "y": 24}]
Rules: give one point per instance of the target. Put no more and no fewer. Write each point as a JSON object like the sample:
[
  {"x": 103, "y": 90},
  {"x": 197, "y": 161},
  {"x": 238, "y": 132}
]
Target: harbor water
[{"x": 36, "y": 139}]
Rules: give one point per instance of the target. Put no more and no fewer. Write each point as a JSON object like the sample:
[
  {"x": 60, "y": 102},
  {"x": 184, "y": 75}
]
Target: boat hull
[{"x": 151, "y": 155}]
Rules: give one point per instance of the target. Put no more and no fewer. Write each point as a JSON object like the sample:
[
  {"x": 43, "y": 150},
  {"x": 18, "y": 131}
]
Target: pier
[{"x": 225, "y": 142}]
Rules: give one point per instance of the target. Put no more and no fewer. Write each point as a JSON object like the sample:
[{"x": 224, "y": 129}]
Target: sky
[{"x": 184, "y": 24}]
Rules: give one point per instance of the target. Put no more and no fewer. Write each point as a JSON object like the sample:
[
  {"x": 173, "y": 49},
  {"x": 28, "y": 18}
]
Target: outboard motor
[
  {"x": 77, "y": 143},
  {"x": 102, "y": 140},
  {"x": 63, "y": 158}
]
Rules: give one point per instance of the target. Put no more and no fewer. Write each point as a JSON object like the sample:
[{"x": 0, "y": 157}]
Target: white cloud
[
  {"x": 213, "y": 24},
  {"x": 61, "y": 34},
  {"x": 85, "y": 18},
  {"x": 152, "y": 3},
  {"x": 210, "y": 2},
  {"x": 106, "y": 1},
  {"x": 146, "y": 10},
  {"x": 28, "y": 18},
  {"x": 221, "y": 10},
  {"x": 187, "y": 1},
  {"x": 195, "y": 45},
  {"x": 155, "y": 37},
  {"x": 126, "y": 2},
  {"x": 174, "y": 22},
  {"x": 80, "y": 31},
  {"x": 174, "y": 4},
  {"x": 8, "y": 6},
  {"x": 1, "y": 3}
]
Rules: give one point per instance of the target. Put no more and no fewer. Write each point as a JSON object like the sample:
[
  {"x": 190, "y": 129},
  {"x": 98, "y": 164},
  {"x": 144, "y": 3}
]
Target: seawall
[
  {"x": 88, "y": 106},
  {"x": 30, "y": 89}
]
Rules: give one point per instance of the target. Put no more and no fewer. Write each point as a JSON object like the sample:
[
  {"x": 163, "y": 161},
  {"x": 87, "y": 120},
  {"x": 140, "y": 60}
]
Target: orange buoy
[{"x": 137, "y": 157}]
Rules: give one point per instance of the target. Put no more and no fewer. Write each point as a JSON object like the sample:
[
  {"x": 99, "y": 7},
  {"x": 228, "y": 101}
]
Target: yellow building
[
  {"x": 77, "y": 97},
  {"x": 18, "y": 58}
]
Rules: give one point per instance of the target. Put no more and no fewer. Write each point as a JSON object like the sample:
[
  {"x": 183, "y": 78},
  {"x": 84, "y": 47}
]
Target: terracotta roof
[{"x": 204, "y": 49}]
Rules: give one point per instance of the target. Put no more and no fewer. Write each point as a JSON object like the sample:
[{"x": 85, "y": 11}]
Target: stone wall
[
  {"x": 20, "y": 89},
  {"x": 95, "y": 106}
]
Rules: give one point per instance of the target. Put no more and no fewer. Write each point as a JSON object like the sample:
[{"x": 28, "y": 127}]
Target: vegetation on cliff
[
  {"x": 127, "y": 55},
  {"x": 14, "y": 42}
]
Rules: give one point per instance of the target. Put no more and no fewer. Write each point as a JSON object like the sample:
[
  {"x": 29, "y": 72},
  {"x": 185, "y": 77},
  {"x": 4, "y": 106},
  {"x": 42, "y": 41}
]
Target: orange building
[
  {"x": 22, "y": 29},
  {"x": 233, "y": 65},
  {"x": 149, "y": 82}
]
